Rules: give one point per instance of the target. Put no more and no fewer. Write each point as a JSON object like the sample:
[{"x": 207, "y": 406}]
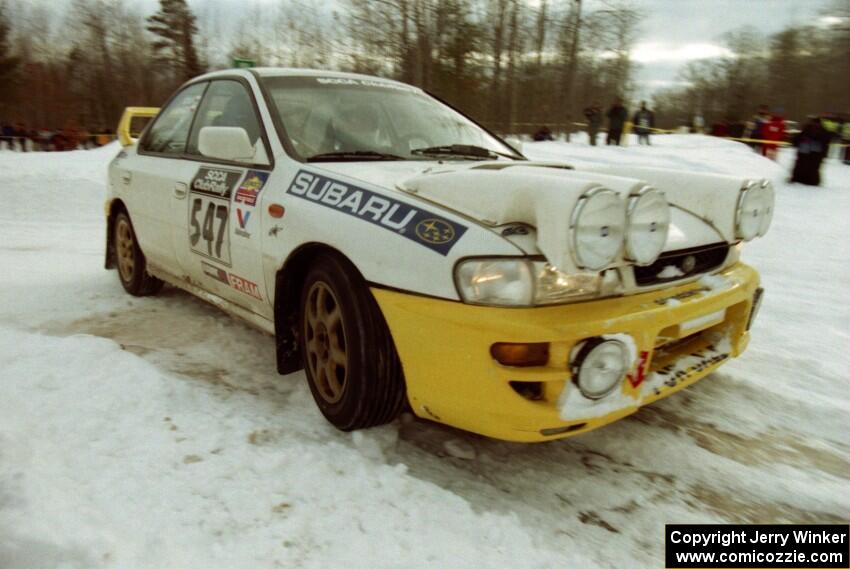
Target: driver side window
[
  {"x": 228, "y": 103},
  {"x": 168, "y": 135}
]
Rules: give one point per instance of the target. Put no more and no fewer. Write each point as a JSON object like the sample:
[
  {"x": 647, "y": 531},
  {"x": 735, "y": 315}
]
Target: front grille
[{"x": 683, "y": 263}]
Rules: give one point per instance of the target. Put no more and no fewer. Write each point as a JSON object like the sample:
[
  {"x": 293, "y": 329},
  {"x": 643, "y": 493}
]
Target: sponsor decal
[
  {"x": 215, "y": 182},
  {"x": 242, "y": 218},
  {"x": 363, "y": 83},
  {"x": 695, "y": 363},
  {"x": 639, "y": 375},
  {"x": 251, "y": 187},
  {"x": 214, "y": 272},
  {"x": 435, "y": 231},
  {"x": 233, "y": 281},
  {"x": 244, "y": 286},
  {"x": 423, "y": 227}
]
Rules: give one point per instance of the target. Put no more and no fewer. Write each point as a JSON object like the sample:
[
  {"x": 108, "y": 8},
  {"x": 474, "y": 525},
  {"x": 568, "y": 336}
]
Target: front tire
[
  {"x": 352, "y": 366},
  {"x": 132, "y": 267}
]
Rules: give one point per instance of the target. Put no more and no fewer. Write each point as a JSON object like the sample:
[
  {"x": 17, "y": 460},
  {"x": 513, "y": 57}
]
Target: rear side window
[
  {"x": 170, "y": 132},
  {"x": 228, "y": 103}
]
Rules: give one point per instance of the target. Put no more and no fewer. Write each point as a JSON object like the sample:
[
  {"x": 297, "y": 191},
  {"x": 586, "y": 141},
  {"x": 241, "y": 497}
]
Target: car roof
[{"x": 297, "y": 72}]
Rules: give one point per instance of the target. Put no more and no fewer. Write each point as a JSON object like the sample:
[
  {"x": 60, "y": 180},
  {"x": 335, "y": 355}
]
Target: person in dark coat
[
  {"x": 812, "y": 146},
  {"x": 543, "y": 133},
  {"x": 617, "y": 116},
  {"x": 644, "y": 121},
  {"x": 593, "y": 115}
]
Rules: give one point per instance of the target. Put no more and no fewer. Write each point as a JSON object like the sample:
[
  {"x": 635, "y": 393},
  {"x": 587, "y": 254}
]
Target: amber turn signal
[{"x": 520, "y": 355}]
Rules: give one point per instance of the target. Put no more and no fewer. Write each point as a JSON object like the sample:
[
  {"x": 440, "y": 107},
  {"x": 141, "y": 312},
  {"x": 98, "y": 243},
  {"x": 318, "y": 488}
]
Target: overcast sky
[{"x": 677, "y": 31}]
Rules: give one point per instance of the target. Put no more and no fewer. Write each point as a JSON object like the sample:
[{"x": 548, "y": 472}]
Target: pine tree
[{"x": 175, "y": 25}]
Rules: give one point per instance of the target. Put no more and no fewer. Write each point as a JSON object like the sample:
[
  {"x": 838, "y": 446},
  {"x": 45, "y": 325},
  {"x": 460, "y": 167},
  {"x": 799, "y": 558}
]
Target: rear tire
[
  {"x": 132, "y": 267},
  {"x": 350, "y": 360}
]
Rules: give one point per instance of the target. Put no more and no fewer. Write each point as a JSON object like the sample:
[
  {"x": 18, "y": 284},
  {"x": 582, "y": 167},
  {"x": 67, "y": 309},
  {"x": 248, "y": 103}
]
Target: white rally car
[{"x": 403, "y": 255}]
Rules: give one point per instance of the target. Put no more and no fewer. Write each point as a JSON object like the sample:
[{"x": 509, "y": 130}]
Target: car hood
[{"x": 542, "y": 195}]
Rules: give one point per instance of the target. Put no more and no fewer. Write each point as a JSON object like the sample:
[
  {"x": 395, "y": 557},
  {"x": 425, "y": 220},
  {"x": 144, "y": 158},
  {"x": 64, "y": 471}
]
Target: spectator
[
  {"x": 103, "y": 137},
  {"x": 644, "y": 120},
  {"x": 720, "y": 128},
  {"x": 756, "y": 130},
  {"x": 812, "y": 146},
  {"x": 543, "y": 133},
  {"x": 698, "y": 124},
  {"x": 45, "y": 138},
  {"x": 7, "y": 132},
  {"x": 773, "y": 131},
  {"x": 21, "y": 136},
  {"x": 617, "y": 116},
  {"x": 845, "y": 138},
  {"x": 737, "y": 129},
  {"x": 593, "y": 115}
]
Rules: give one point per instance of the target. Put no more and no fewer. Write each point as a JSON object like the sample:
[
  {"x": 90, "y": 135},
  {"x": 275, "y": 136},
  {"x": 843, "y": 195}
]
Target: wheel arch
[
  {"x": 289, "y": 280},
  {"x": 113, "y": 208}
]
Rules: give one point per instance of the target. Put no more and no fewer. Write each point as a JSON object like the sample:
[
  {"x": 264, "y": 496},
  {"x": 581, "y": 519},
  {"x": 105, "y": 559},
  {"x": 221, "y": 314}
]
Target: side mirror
[
  {"x": 225, "y": 143},
  {"x": 515, "y": 142}
]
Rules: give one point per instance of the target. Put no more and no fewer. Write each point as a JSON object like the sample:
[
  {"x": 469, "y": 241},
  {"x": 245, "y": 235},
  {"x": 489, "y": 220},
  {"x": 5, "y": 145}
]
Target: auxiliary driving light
[
  {"x": 597, "y": 228},
  {"x": 599, "y": 367},
  {"x": 647, "y": 226},
  {"x": 754, "y": 210}
]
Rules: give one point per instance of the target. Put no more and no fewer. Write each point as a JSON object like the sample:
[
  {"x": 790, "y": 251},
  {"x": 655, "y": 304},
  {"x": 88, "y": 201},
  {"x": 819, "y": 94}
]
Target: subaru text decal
[{"x": 423, "y": 227}]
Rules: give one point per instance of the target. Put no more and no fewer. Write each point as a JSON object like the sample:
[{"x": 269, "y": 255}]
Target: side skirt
[{"x": 255, "y": 320}]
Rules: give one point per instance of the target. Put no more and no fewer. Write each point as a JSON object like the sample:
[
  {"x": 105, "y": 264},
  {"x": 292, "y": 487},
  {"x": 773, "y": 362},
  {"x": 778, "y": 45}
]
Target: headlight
[
  {"x": 647, "y": 226},
  {"x": 755, "y": 210},
  {"x": 599, "y": 367},
  {"x": 521, "y": 282},
  {"x": 597, "y": 227},
  {"x": 501, "y": 282}
]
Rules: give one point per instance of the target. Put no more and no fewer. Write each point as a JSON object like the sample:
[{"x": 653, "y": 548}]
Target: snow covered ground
[{"x": 155, "y": 432}]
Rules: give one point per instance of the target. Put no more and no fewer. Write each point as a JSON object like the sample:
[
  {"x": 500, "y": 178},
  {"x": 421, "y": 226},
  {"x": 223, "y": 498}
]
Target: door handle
[
  {"x": 180, "y": 190},
  {"x": 126, "y": 177}
]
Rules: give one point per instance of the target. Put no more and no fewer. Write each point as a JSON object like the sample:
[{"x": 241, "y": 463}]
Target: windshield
[{"x": 361, "y": 119}]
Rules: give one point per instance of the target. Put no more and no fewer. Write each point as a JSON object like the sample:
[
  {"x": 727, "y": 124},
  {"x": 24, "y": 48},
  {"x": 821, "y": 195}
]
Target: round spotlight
[
  {"x": 754, "y": 204},
  {"x": 647, "y": 225},
  {"x": 597, "y": 227},
  {"x": 599, "y": 367}
]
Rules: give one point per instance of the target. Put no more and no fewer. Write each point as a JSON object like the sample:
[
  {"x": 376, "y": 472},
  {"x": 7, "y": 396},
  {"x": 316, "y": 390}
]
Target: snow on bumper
[{"x": 680, "y": 335}]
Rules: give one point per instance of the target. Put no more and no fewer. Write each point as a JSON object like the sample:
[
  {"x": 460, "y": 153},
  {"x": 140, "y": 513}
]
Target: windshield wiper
[
  {"x": 352, "y": 155},
  {"x": 465, "y": 150}
]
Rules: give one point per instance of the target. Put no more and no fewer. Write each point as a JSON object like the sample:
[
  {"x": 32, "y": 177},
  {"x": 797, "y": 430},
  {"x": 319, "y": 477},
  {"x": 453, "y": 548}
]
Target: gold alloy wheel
[
  {"x": 325, "y": 342},
  {"x": 124, "y": 249}
]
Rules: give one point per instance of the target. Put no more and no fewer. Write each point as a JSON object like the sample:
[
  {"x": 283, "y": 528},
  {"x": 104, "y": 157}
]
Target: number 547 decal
[
  {"x": 209, "y": 213},
  {"x": 208, "y": 231}
]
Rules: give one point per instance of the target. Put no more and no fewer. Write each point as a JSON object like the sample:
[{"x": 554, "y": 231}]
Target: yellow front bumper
[{"x": 451, "y": 377}]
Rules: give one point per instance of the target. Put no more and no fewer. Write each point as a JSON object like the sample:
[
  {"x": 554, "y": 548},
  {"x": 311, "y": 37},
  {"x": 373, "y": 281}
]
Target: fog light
[
  {"x": 599, "y": 367},
  {"x": 520, "y": 355}
]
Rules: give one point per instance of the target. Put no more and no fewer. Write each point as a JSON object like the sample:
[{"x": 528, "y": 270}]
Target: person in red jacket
[{"x": 774, "y": 132}]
